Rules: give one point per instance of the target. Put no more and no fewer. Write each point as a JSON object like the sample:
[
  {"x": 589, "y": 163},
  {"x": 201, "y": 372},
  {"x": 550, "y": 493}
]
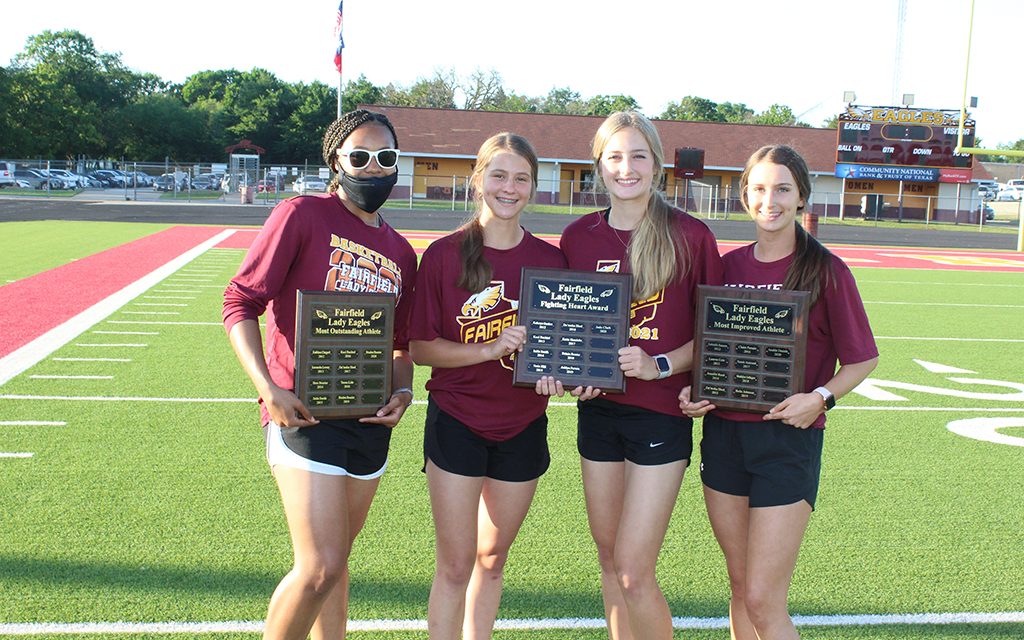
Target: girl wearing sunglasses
[
  {"x": 327, "y": 471},
  {"x": 485, "y": 442}
]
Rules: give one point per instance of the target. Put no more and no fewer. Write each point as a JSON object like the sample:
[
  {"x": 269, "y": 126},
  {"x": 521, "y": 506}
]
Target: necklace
[{"x": 608, "y": 219}]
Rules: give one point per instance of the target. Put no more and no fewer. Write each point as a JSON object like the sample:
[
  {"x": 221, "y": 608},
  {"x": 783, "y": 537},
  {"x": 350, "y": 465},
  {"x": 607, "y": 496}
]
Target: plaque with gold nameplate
[{"x": 343, "y": 352}]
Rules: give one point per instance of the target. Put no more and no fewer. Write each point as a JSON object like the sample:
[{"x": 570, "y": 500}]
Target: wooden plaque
[
  {"x": 343, "y": 352},
  {"x": 576, "y": 322},
  {"x": 749, "y": 347}
]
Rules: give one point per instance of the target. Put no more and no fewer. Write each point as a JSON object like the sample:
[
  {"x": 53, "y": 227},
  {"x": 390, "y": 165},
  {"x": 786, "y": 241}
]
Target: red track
[{"x": 34, "y": 305}]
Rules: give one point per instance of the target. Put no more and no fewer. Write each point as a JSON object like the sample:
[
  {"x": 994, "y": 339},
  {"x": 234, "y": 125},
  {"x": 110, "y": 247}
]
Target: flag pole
[{"x": 338, "y": 27}]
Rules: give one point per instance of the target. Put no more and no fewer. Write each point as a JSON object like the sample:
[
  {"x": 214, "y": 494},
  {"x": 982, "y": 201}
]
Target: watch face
[{"x": 663, "y": 364}]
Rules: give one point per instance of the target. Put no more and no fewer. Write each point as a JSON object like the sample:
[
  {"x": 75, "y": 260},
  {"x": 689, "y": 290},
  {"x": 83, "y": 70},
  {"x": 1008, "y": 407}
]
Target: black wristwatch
[
  {"x": 664, "y": 366},
  {"x": 830, "y": 400}
]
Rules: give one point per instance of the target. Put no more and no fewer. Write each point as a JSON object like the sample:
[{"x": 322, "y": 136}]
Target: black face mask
[{"x": 369, "y": 194}]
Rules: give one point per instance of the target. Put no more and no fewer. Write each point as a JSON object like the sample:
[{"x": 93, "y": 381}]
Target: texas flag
[{"x": 341, "y": 40}]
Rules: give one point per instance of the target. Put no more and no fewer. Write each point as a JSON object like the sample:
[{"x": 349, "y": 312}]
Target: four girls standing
[{"x": 485, "y": 441}]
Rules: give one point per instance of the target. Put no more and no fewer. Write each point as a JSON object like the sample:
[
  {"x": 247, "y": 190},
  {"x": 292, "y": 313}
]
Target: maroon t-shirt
[
  {"x": 663, "y": 322},
  {"x": 838, "y": 328},
  {"x": 480, "y": 396},
  {"x": 315, "y": 243}
]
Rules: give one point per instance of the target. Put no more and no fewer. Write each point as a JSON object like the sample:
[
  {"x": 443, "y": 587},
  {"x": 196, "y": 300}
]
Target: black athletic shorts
[
  {"x": 612, "y": 432},
  {"x": 772, "y": 463},
  {"x": 332, "y": 447},
  {"x": 452, "y": 446}
]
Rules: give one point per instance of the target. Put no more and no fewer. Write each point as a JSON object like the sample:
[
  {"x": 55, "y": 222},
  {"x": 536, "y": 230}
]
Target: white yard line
[
  {"x": 11, "y": 454},
  {"x": 32, "y": 423},
  {"x": 44, "y": 377},
  {"x": 91, "y": 359},
  {"x": 948, "y": 339},
  {"x": 212, "y": 324},
  {"x": 947, "y": 304},
  {"x": 942, "y": 284},
  {"x": 525, "y": 624},
  {"x": 35, "y": 351},
  {"x": 12, "y": 396}
]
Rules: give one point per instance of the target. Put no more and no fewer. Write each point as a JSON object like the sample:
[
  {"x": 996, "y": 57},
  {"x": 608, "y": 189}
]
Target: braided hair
[{"x": 340, "y": 129}]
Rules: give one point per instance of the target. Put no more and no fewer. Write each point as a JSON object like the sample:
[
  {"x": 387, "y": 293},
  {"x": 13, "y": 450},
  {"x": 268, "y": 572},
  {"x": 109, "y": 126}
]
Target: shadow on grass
[
  {"x": 98, "y": 576},
  {"x": 375, "y": 598}
]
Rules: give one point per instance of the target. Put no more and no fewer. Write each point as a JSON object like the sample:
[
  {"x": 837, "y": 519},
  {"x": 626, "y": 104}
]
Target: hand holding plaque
[
  {"x": 749, "y": 348},
  {"x": 343, "y": 352},
  {"x": 576, "y": 322}
]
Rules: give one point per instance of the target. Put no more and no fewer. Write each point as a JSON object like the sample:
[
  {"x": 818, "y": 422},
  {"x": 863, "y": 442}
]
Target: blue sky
[{"x": 801, "y": 53}]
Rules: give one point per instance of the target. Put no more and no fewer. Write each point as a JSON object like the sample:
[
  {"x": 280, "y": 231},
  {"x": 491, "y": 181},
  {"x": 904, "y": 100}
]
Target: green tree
[
  {"x": 603, "y": 105},
  {"x": 482, "y": 90},
  {"x": 357, "y": 92},
  {"x": 304, "y": 130},
  {"x": 515, "y": 103},
  {"x": 208, "y": 85},
  {"x": 161, "y": 125},
  {"x": 832, "y": 122},
  {"x": 693, "y": 108},
  {"x": 256, "y": 106},
  {"x": 735, "y": 112},
  {"x": 562, "y": 100},
  {"x": 438, "y": 92},
  {"x": 69, "y": 96},
  {"x": 776, "y": 114}
]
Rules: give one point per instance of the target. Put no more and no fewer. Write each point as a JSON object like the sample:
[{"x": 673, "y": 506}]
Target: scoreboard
[{"x": 896, "y": 136}]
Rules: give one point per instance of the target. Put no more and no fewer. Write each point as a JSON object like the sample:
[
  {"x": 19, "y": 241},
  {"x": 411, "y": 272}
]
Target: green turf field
[
  {"x": 31, "y": 247},
  {"x": 147, "y": 499}
]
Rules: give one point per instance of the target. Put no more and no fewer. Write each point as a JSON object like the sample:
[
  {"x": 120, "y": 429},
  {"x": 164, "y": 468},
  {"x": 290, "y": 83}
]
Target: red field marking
[
  {"x": 853, "y": 255},
  {"x": 32, "y": 306},
  {"x": 240, "y": 239}
]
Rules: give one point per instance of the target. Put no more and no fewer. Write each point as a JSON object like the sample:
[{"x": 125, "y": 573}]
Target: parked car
[
  {"x": 266, "y": 186},
  {"x": 164, "y": 183},
  {"x": 76, "y": 181},
  {"x": 203, "y": 182},
  {"x": 63, "y": 181},
  {"x": 989, "y": 212},
  {"x": 7, "y": 174},
  {"x": 110, "y": 178},
  {"x": 307, "y": 184},
  {"x": 1016, "y": 182},
  {"x": 99, "y": 180},
  {"x": 1011, "y": 193},
  {"x": 138, "y": 179},
  {"x": 37, "y": 180},
  {"x": 987, "y": 191}
]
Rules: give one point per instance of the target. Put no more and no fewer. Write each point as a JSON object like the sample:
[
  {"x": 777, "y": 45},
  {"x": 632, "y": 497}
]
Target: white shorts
[{"x": 278, "y": 453}]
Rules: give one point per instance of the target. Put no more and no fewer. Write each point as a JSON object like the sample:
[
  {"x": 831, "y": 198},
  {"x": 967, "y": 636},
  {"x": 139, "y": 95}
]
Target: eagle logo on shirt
[
  {"x": 478, "y": 303},
  {"x": 486, "y": 314}
]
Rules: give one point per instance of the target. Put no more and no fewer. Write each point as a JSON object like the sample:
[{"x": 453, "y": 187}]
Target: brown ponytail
[
  {"x": 811, "y": 269},
  {"x": 476, "y": 271}
]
